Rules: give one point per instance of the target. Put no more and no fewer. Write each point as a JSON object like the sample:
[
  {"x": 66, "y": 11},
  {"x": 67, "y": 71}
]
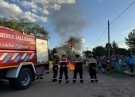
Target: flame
[{"x": 70, "y": 66}]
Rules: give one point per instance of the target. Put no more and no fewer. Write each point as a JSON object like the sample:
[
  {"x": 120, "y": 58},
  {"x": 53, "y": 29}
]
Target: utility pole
[{"x": 109, "y": 38}]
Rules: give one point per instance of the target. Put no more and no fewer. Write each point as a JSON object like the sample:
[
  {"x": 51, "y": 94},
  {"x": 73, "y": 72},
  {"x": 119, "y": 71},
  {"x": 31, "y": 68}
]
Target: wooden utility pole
[{"x": 109, "y": 38}]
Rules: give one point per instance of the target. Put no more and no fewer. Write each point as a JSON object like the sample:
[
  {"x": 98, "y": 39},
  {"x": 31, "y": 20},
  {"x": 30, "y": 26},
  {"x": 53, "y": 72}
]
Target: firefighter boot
[
  {"x": 67, "y": 81},
  {"x": 54, "y": 80},
  {"x": 81, "y": 81},
  {"x": 60, "y": 81},
  {"x": 74, "y": 81},
  {"x": 92, "y": 80},
  {"x": 96, "y": 80},
  {"x": 41, "y": 76}
]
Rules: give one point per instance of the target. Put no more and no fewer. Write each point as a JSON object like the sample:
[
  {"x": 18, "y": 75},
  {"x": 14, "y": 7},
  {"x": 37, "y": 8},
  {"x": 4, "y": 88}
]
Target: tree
[
  {"x": 99, "y": 51},
  {"x": 23, "y": 25},
  {"x": 131, "y": 50},
  {"x": 130, "y": 40},
  {"x": 114, "y": 46},
  {"x": 121, "y": 51},
  {"x": 107, "y": 46}
]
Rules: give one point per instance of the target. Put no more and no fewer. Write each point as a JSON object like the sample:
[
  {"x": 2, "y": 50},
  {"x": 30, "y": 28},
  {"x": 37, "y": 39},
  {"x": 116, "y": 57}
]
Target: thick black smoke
[
  {"x": 76, "y": 42},
  {"x": 69, "y": 23}
]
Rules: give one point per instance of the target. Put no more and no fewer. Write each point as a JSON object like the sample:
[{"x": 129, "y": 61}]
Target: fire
[{"x": 70, "y": 66}]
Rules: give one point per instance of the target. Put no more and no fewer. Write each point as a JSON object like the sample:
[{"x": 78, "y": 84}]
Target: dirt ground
[{"x": 108, "y": 86}]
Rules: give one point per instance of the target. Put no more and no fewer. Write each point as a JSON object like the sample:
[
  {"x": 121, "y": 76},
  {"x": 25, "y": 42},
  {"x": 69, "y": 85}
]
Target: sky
[{"x": 86, "y": 19}]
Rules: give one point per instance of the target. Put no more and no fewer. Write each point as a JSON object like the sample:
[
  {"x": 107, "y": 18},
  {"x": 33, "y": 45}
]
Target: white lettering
[
  {"x": 18, "y": 46},
  {"x": 16, "y": 37},
  {"x": 9, "y": 45},
  {"x": 6, "y": 35}
]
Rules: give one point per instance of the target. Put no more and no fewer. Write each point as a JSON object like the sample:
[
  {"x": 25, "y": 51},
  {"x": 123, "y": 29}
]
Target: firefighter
[
  {"x": 92, "y": 68},
  {"x": 63, "y": 68},
  {"x": 78, "y": 68},
  {"x": 55, "y": 67}
]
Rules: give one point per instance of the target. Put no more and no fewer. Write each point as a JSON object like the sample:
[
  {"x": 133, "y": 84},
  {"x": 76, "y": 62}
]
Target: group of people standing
[
  {"x": 78, "y": 64},
  {"x": 118, "y": 62}
]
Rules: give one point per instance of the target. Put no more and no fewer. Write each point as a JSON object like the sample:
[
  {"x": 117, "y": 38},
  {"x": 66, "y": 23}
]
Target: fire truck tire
[{"x": 24, "y": 79}]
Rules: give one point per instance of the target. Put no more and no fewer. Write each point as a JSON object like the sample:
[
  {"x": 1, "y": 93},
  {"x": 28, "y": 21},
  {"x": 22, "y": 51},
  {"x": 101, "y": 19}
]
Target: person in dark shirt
[
  {"x": 55, "y": 67},
  {"x": 78, "y": 68},
  {"x": 92, "y": 68}
]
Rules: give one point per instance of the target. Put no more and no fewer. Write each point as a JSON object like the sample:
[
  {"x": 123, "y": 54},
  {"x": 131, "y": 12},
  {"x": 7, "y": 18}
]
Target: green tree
[
  {"x": 130, "y": 40},
  {"x": 23, "y": 25},
  {"x": 121, "y": 51},
  {"x": 99, "y": 51},
  {"x": 114, "y": 47},
  {"x": 3, "y": 22},
  {"x": 131, "y": 50}
]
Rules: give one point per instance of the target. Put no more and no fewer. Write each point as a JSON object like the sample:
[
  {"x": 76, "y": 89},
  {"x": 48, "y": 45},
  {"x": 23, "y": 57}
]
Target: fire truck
[{"x": 21, "y": 57}]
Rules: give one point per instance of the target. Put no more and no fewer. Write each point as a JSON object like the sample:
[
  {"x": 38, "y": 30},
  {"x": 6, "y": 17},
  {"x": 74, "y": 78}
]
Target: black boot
[
  {"x": 67, "y": 81},
  {"x": 60, "y": 81},
  {"x": 96, "y": 80},
  {"x": 54, "y": 80},
  {"x": 92, "y": 81},
  {"x": 74, "y": 81},
  {"x": 81, "y": 81},
  {"x": 41, "y": 76}
]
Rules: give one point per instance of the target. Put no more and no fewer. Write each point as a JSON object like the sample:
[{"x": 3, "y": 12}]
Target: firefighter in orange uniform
[
  {"x": 63, "y": 68},
  {"x": 78, "y": 68}
]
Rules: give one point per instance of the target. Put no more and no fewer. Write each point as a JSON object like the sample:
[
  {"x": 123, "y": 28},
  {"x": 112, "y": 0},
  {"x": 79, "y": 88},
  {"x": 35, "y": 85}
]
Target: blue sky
[{"x": 95, "y": 12}]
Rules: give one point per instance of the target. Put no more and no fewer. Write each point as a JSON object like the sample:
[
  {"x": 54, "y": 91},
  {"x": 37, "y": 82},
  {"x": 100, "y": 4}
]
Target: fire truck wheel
[{"x": 24, "y": 79}]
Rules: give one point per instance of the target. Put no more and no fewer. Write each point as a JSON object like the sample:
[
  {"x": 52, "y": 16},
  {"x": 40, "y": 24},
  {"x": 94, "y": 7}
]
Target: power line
[
  {"x": 100, "y": 36},
  {"x": 114, "y": 20},
  {"x": 122, "y": 12}
]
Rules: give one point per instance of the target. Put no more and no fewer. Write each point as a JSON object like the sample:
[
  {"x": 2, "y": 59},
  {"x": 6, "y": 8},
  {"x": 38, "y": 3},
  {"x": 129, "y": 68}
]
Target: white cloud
[
  {"x": 29, "y": 4},
  {"x": 34, "y": 17},
  {"x": 83, "y": 40},
  {"x": 53, "y": 4},
  {"x": 7, "y": 9},
  {"x": 56, "y": 6},
  {"x": 33, "y": 8},
  {"x": 55, "y": 1},
  {"x": 66, "y": 1}
]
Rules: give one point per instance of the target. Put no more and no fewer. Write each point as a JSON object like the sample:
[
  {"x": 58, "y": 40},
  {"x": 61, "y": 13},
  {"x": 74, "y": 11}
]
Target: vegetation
[
  {"x": 23, "y": 25},
  {"x": 114, "y": 50},
  {"x": 130, "y": 41}
]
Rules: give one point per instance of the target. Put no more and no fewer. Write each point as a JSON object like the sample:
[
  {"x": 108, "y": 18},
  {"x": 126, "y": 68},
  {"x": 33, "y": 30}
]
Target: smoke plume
[{"x": 69, "y": 23}]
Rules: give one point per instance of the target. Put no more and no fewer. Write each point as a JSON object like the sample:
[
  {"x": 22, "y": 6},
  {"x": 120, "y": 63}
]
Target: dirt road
[{"x": 106, "y": 87}]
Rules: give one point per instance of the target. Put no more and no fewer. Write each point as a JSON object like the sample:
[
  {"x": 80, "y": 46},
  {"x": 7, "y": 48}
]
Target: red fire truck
[{"x": 21, "y": 57}]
